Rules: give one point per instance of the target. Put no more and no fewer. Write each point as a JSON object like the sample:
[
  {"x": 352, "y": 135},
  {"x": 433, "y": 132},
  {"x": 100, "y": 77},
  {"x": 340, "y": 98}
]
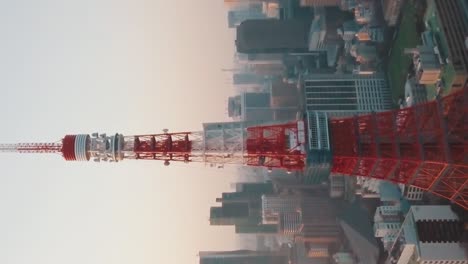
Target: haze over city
[
  {"x": 234, "y": 131},
  {"x": 109, "y": 66}
]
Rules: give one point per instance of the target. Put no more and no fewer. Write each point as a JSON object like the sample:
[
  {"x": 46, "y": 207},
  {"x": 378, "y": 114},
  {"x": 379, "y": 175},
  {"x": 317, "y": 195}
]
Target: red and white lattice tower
[
  {"x": 275, "y": 146},
  {"x": 423, "y": 146}
]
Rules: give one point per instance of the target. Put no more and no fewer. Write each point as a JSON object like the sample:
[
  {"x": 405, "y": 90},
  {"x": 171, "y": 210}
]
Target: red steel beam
[{"x": 424, "y": 146}]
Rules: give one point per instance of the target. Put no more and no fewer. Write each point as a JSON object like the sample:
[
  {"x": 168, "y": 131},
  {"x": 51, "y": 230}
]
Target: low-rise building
[
  {"x": 386, "y": 228},
  {"x": 412, "y": 193},
  {"x": 426, "y": 65}
]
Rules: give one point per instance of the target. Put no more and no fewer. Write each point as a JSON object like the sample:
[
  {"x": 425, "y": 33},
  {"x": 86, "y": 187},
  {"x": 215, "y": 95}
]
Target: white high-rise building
[{"x": 431, "y": 234}]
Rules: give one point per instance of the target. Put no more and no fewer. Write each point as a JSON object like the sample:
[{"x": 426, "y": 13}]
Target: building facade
[
  {"x": 391, "y": 10},
  {"x": 346, "y": 94},
  {"x": 387, "y": 213},
  {"x": 412, "y": 193},
  {"x": 383, "y": 229},
  {"x": 337, "y": 186},
  {"x": 426, "y": 65},
  {"x": 272, "y": 36},
  {"x": 454, "y": 29},
  {"x": 430, "y": 234},
  {"x": 297, "y": 215},
  {"x": 318, "y": 30},
  {"x": 257, "y": 107},
  {"x": 243, "y": 209},
  {"x": 327, "y": 95},
  {"x": 243, "y": 256},
  {"x": 251, "y": 11},
  {"x": 315, "y": 3}
]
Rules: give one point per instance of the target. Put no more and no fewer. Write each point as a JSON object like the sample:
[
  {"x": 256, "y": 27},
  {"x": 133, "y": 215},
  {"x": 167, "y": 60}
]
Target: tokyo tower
[{"x": 423, "y": 146}]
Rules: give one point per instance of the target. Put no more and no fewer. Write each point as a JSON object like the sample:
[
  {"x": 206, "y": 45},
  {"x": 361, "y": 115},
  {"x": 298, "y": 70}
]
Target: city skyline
[
  {"x": 109, "y": 66},
  {"x": 331, "y": 132}
]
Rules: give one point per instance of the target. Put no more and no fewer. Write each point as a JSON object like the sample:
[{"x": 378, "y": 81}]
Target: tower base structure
[{"x": 423, "y": 146}]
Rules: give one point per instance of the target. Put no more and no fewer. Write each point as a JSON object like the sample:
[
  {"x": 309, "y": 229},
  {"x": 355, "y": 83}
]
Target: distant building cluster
[
  {"x": 439, "y": 63},
  {"x": 321, "y": 59}
]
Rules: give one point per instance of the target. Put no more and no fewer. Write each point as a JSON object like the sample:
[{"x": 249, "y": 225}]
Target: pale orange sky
[{"x": 127, "y": 66}]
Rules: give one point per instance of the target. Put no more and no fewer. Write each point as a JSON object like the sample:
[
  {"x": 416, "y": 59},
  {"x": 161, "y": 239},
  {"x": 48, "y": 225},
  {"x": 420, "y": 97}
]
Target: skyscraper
[
  {"x": 272, "y": 36},
  {"x": 256, "y": 107},
  {"x": 297, "y": 215},
  {"x": 320, "y": 228},
  {"x": 243, "y": 209},
  {"x": 346, "y": 94},
  {"x": 245, "y": 12},
  {"x": 243, "y": 257}
]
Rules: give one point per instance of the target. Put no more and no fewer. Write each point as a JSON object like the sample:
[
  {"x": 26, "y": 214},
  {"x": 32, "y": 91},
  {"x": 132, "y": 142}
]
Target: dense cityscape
[
  {"x": 346, "y": 141},
  {"x": 316, "y": 59}
]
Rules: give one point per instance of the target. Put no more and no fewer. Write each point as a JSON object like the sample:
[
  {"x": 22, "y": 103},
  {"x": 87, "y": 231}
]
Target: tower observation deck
[{"x": 424, "y": 146}]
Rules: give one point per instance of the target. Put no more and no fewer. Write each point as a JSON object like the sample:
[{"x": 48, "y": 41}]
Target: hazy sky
[{"x": 128, "y": 66}]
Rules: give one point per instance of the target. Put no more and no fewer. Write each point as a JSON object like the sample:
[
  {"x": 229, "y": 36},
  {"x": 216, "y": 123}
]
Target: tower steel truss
[{"x": 424, "y": 146}]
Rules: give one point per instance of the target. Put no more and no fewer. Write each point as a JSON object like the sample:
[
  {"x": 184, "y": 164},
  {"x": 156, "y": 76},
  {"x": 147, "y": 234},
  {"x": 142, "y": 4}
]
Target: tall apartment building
[{"x": 430, "y": 234}]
